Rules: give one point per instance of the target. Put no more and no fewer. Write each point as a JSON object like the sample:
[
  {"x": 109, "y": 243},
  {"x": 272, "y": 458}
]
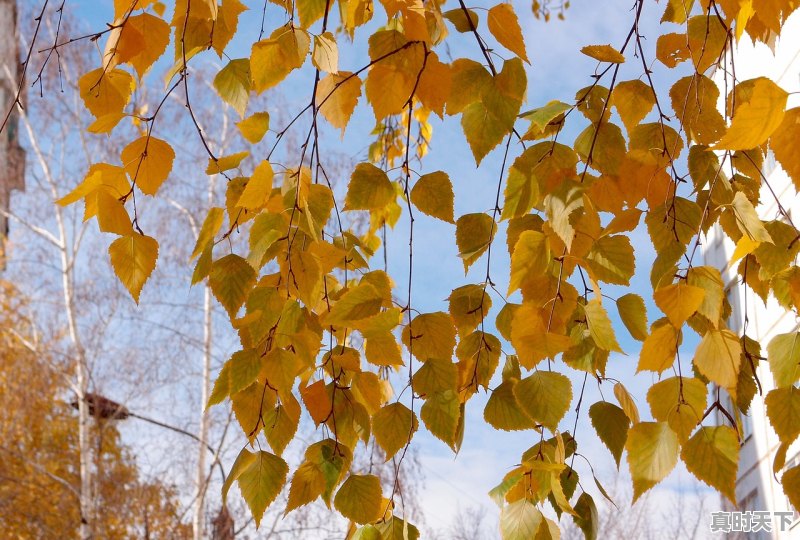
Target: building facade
[{"x": 757, "y": 488}]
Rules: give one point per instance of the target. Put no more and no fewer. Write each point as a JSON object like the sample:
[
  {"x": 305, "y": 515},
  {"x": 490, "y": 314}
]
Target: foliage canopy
[{"x": 324, "y": 329}]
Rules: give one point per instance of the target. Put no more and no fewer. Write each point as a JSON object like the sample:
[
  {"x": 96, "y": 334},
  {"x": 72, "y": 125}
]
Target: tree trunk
[{"x": 11, "y": 155}]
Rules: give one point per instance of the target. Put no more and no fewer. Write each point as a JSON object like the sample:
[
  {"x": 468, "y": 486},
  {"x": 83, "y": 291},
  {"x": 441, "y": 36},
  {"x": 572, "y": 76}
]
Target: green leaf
[
  {"x": 520, "y": 520},
  {"x": 369, "y": 189},
  {"x": 611, "y": 424},
  {"x": 652, "y": 454},
  {"x": 783, "y": 353},
  {"x": 133, "y": 258},
  {"x": 712, "y": 455},
  {"x": 586, "y": 517},
  {"x": 433, "y": 195},
  {"x": 545, "y": 397},
  {"x": 393, "y": 427},
  {"x": 359, "y": 498},
  {"x": 231, "y": 279}
]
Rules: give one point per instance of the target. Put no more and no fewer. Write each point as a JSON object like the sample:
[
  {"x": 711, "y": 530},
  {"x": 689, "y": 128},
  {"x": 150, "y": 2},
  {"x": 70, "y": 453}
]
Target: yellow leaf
[
  {"x": 709, "y": 279},
  {"x": 679, "y": 301},
  {"x": 391, "y": 82},
  {"x": 148, "y": 162},
  {"x": 393, "y": 427},
  {"x": 140, "y": 42},
  {"x": 441, "y": 414},
  {"x": 531, "y": 340},
  {"x": 784, "y": 144},
  {"x": 600, "y": 326},
  {"x": 337, "y": 97},
  {"x": 603, "y": 53},
  {"x": 100, "y": 177},
  {"x": 271, "y": 60},
  {"x": 358, "y": 303},
  {"x": 211, "y": 225},
  {"x": 747, "y": 219},
  {"x": 308, "y": 483},
  {"x": 545, "y": 397},
  {"x": 633, "y": 314},
  {"x": 491, "y": 117},
  {"x": 231, "y": 280},
  {"x": 226, "y": 21},
  {"x": 756, "y": 118},
  {"x": 106, "y": 92},
  {"x": 791, "y": 485},
  {"x": 712, "y": 455},
  {"x": 433, "y": 195},
  {"x": 225, "y": 163},
  {"x": 677, "y": 11},
  {"x": 504, "y": 26},
  {"x": 326, "y": 54},
  {"x": 254, "y": 126},
  {"x": 520, "y": 520},
  {"x": 530, "y": 259},
  {"x": 260, "y": 476},
  {"x": 503, "y": 411},
  {"x": 652, "y": 454},
  {"x": 611, "y": 259},
  {"x": 369, "y": 189},
  {"x": 611, "y": 424},
  {"x": 359, "y": 498},
  {"x": 474, "y": 233},
  {"x": 680, "y": 402},
  {"x": 627, "y": 403},
  {"x": 633, "y": 101},
  {"x": 462, "y": 20},
  {"x": 718, "y": 357},
  {"x": 783, "y": 353},
  {"x": 111, "y": 215},
  {"x": 134, "y": 258},
  {"x": 468, "y": 306},
  {"x": 258, "y": 187},
  {"x": 233, "y": 85},
  {"x": 783, "y": 411},
  {"x": 658, "y": 349},
  {"x": 310, "y": 11},
  {"x": 435, "y": 84},
  {"x": 698, "y": 115},
  {"x": 430, "y": 335}
]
